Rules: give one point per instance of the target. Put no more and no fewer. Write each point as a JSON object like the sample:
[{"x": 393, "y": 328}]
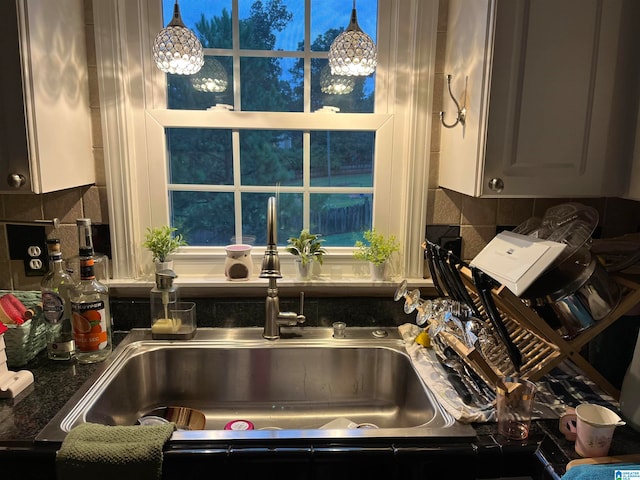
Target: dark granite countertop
[{"x": 545, "y": 451}]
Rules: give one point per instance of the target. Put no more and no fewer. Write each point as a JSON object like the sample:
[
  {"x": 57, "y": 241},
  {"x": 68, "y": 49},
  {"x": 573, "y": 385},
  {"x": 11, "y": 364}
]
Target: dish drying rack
[{"x": 541, "y": 347}]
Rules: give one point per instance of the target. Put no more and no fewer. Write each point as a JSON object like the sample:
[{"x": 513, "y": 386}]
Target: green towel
[{"x": 111, "y": 452}]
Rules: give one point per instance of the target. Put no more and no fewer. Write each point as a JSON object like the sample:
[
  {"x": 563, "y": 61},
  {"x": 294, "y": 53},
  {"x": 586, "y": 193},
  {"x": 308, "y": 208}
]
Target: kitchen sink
[{"x": 301, "y": 386}]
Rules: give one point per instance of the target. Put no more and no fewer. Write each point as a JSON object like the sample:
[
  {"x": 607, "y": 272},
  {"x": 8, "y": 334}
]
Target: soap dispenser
[{"x": 164, "y": 298}]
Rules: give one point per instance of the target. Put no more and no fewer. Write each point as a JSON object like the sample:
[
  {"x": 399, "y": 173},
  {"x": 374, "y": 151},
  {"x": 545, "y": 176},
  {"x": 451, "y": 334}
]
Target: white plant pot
[
  {"x": 166, "y": 265},
  {"x": 303, "y": 272},
  {"x": 378, "y": 272}
]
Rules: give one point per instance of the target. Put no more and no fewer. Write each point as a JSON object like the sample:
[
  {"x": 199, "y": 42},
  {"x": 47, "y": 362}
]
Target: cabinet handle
[
  {"x": 16, "y": 180},
  {"x": 496, "y": 184}
]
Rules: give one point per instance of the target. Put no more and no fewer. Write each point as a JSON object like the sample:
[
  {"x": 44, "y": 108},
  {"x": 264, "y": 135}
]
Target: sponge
[{"x": 13, "y": 310}]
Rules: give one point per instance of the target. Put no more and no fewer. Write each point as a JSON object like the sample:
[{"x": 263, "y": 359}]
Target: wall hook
[{"x": 462, "y": 112}]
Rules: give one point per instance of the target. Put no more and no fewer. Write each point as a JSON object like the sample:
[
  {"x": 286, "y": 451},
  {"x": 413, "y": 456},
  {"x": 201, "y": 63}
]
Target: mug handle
[{"x": 567, "y": 424}]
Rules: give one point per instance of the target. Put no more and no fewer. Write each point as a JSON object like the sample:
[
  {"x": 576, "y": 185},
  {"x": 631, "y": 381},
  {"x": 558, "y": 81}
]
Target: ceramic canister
[{"x": 238, "y": 265}]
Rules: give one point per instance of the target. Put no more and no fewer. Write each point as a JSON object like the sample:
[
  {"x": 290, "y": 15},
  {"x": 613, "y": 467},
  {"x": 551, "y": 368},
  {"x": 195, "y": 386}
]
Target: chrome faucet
[{"x": 274, "y": 318}]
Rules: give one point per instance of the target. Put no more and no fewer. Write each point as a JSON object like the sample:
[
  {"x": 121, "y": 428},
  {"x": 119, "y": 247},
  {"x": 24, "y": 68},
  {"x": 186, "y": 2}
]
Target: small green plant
[
  {"x": 377, "y": 248},
  {"x": 308, "y": 246},
  {"x": 162, "y": 242}
]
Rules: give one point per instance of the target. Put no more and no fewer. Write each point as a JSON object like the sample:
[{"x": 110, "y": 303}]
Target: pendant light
[
  {"x": 353, "y": 53},
  {"x": 335, "y": 84},
  {"x": 211, "y": 78},
  {"x": 176, "y": 48}
]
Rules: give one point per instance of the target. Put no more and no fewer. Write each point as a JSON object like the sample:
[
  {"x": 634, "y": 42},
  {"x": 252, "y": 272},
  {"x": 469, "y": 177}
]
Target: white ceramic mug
[{"x": 591, "y": 426}]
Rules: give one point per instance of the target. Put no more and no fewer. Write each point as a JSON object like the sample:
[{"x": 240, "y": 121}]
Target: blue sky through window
[{"x": 329, "y": 14}]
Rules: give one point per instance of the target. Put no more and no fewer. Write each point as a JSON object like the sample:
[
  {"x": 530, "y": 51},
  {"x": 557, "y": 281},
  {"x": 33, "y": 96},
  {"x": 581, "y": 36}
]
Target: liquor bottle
[
  {"x": 90, "y": 313},
  {"x": 56, "y": 305}
]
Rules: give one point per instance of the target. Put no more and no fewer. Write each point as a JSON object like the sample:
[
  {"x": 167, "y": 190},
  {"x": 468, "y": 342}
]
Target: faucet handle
[
  {"x": 292, "y": 319},
  {"x": 302, "y": 303}
]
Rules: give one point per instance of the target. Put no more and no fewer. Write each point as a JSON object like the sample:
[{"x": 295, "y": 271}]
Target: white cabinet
[
  {"x": 546, "y": 86},
  {"x": 45, "y": 122}
]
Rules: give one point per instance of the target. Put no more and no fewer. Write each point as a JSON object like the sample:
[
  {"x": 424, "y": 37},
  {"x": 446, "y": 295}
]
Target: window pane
[
  {"x": 349, "y": 94},
  {"x": 203, "y": 89},
  {"x": 212, "y": 24},
  {"x": 254, "y": 216},
  {"x": 204, "y": 218},
  {"x": 199, "y": 156},
  {"x": 270, "y": 157},
  {"x": 268, "y": 84},
  {"x": 271, "y": 25},
  {"x": 342, "y": 158},
  {"x": 217, "y": 18},
  {"x": 330, "y": 17},
  {"x": 341, "y": 219}
]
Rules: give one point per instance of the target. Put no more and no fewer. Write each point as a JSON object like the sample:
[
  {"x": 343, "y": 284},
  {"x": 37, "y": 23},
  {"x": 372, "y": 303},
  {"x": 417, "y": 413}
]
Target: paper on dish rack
[{"x": 515, "y": 260}]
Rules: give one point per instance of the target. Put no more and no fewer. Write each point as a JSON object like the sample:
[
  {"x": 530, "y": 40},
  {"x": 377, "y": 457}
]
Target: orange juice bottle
[{"x": 90, "y": 313}]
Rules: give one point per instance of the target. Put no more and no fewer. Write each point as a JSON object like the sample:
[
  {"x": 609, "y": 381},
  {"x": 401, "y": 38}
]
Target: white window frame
[{"x": 132, "y": 92}]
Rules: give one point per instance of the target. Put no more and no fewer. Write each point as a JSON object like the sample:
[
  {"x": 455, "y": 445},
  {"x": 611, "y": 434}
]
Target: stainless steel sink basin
[{"x": 289, "y": 388}]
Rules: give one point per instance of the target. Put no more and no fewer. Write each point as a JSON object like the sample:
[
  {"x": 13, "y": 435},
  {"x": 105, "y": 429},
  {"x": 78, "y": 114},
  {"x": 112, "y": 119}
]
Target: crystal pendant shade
[
  {"x": 211, "y": 78},
  {"x": 353, "y": 52},
  {"x": 176, "y": 49},
  {"x": 335, "y": 84}
]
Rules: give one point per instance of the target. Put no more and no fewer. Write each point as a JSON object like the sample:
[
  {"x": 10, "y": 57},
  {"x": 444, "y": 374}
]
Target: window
[
  {"x": 262, "y": 57},
  {"x": 172, "y": 159}
]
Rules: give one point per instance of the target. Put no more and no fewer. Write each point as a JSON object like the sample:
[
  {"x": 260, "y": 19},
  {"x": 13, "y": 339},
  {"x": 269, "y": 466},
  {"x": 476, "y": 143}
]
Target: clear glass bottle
[
  {"x": 56, "y": 305},
  {"x": 91, "y": 317}
]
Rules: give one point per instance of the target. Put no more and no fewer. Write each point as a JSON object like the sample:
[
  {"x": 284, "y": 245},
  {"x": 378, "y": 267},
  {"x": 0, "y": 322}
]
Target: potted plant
[
  {"x": 308, "y": 247},
  {"x": 162, "y": 242},
  {"x": 376, "y": 249}
]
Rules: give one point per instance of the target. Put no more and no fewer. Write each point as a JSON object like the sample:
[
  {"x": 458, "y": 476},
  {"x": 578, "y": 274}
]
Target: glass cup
[
  {"x": 514, "y": 404},
  {"x": 181, "y": 324},
  {"x": 338, "y": 329}
]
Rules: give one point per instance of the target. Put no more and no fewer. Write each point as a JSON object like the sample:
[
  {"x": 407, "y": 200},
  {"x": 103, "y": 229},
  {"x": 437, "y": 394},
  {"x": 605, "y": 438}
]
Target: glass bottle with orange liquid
[{"x": 91, "y": 317}]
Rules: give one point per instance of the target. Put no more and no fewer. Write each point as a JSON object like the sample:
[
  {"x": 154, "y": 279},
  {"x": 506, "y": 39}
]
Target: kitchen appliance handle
[
  {"x": 445, "y": 274},
  {"x": 454, "y": 262},
  {"x": 432, "y": 268}
]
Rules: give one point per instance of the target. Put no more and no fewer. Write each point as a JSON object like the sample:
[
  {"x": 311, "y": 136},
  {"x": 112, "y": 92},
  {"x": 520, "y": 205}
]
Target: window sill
[{"x": 198, "y": 286}]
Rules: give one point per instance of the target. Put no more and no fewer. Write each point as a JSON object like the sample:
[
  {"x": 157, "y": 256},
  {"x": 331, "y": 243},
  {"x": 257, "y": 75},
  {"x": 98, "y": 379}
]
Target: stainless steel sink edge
[{"x": 139, "y": 341}]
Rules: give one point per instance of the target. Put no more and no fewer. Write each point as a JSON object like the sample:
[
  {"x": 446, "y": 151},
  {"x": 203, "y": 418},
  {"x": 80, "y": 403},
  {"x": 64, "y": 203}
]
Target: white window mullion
[
  {"x": 237, "y": 181},
  {"x": 306, "y": 178},
  {"x": 235, "y": 20}
]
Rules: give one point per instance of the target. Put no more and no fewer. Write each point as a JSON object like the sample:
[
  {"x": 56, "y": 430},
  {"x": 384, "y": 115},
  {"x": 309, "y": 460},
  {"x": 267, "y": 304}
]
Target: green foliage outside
[{"x": 203, "y": 156}]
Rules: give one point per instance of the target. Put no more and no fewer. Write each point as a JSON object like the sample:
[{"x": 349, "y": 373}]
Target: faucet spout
[
  {"x": 271, "y": 260},
  {"x": 274, "y": 318}
]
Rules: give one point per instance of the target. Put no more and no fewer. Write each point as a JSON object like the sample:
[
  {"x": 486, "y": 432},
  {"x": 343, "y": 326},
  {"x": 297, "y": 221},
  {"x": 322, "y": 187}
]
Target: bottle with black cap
[
  {"x": 91, "y": 317},
  {"x": 56, "y": 305}
]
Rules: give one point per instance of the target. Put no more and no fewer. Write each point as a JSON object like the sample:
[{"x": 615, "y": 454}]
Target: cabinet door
[
  {"x": 552, "y": 97},
  {"x": 46, "y": 130},
  {"x": 14, "y": 154},
  {"x": 468, "y": 61}
]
